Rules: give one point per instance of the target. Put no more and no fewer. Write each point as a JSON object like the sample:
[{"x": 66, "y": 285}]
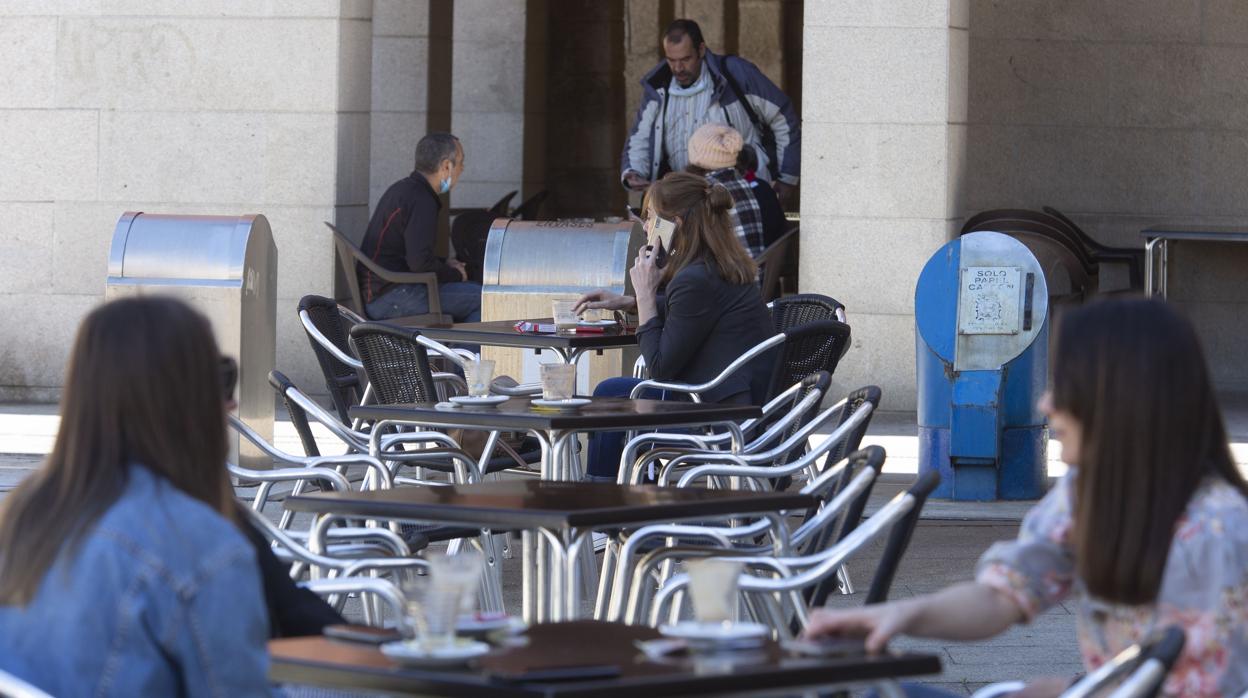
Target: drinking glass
[
  {"x": 479, "y": 374},
  {"x": 558, "y": 381},
  {"x": 433, "y": 600},
  {"x": 713, "y": 589},
  {"x": 565, "y": 318}
]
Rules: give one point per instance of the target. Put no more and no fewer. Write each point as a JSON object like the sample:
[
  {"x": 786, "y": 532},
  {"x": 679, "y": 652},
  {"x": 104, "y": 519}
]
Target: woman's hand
[
  {"x": 605, "y": 300},
  {"x": 646, "y": 275},
  {"x": 877, "y": 624}
]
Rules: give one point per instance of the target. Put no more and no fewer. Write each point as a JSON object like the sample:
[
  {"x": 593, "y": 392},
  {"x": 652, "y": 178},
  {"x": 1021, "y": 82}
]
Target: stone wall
[
  {"x": 1123, "y": 115},
  {"x": 216, "y": 106}
]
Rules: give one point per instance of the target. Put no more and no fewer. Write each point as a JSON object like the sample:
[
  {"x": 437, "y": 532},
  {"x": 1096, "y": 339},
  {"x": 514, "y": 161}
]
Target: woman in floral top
[{"x": 1149, "y": 529}]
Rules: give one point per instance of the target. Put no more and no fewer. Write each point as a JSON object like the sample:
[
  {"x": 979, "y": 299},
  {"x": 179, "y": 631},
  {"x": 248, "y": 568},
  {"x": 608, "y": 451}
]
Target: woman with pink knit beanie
[{"x": 713, "y": 152}]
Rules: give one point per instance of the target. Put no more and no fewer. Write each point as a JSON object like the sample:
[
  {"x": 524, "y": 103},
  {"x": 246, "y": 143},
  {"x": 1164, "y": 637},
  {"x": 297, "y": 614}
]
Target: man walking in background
[{"x": 694, "y": 86}]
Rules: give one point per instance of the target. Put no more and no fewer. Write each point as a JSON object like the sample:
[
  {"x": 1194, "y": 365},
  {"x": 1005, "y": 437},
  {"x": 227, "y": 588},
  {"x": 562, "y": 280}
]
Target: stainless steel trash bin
[
  {"x": 529, "y": 263},
  {"x": 226, "y": 267}
]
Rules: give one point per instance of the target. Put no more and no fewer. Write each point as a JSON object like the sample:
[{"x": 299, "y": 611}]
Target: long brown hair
[
  {"x": 1131, "y": 372},
  {"x": 705, "y": 229},
  {"x": 143, "y": 387}
]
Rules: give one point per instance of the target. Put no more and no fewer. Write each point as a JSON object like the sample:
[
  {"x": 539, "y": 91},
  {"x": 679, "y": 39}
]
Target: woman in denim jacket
[{"x": 122, "y": 569}]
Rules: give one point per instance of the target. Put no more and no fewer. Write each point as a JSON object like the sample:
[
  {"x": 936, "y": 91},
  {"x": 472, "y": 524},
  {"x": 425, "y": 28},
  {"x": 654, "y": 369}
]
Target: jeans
[
  {"x": 606, "y": 447},
  {"x": 460, "y": 299}
]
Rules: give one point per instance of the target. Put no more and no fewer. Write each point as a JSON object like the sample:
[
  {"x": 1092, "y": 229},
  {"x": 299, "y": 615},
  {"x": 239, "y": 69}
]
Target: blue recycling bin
[{"x": 982, "y": 335}]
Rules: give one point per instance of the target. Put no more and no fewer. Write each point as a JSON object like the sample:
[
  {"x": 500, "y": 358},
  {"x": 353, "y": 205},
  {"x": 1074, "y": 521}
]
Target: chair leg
[
  {"x": 605, "y": 587},
  {"x": 843, "y": 582}
]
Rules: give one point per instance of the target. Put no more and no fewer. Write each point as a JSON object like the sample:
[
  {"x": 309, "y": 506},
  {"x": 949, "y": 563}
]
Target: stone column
[
  {"x": 400, "y": 90},
  {"x": 489, "y": 100},
  {"x": 883, "y": 151}
]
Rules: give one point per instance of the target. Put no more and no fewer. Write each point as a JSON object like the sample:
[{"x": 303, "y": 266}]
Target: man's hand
[
  {"x": 635, "y": 181},
  {"x": 783, "y": 191},
  {"x": 459, "y": 267}
]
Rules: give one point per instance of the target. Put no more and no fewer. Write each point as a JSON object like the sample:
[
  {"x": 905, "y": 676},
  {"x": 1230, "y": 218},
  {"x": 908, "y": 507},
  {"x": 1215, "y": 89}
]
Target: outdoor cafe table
[
  {"x": 555, "y": 428},
  {"x": 324, "y": 662},
  {"x": 503, "y": 333},
  {"x": 562, "y": 513}
]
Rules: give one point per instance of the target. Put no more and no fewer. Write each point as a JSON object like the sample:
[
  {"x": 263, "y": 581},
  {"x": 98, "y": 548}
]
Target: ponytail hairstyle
[{"x": 704, "y": 230}]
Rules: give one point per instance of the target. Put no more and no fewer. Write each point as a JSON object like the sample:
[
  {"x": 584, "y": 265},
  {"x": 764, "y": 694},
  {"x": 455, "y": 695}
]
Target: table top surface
[
  {"x": 1208, "y": 233},
  {"x": 503, "y": 333},
  {"x": 325, "y": 662},
  {"x": 602, "y": 414},
  {"x": 548, "y": 504}
]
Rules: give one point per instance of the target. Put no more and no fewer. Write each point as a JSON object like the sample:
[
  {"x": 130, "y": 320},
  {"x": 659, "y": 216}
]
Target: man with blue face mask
[{"x": 401, "y": 237}]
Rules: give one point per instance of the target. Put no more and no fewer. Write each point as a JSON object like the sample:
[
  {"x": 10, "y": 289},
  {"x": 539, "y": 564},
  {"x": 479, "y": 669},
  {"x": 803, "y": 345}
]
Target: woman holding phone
[
  {"x": 1148, "y": 529},
  {"x": 697, "y": 302}
]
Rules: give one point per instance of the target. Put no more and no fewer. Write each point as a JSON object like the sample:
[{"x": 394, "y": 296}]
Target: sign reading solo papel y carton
[{"x": 990, "y": 300}]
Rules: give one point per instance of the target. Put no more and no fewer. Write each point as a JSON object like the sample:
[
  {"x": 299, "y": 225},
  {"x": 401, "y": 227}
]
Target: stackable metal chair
[
  {"x": 13, "y": 687},
  {"x": 772, "y": 586},
  {"x": 785, "y": 415},
  {"x": 437, "y": 450},
  {"x": 341, "y": 576},
  {"x": 842, "y": 490},
  {"x": 326, "y": 323},
  {"x": 1139, "y": 671}
]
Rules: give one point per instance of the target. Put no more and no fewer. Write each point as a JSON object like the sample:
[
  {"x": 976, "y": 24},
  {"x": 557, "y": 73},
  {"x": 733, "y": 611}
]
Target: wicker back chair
[
  {"x": 396, "y": 364},
  {"x": 331, "y": 321},
  {"x": 808, "y": 349},
  {"x": 801, "y": 308}
]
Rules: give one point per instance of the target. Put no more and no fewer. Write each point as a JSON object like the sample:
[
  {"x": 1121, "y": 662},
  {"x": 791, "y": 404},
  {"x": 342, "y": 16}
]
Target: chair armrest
[
  {"x": 381, "y": 588},
  {"x": 695, "y": 390},
  {"x": 336, "y": 480},
  {"x": 326, "y": 344}
]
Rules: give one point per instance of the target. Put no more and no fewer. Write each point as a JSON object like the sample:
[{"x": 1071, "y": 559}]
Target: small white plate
[
  {"x": 706, "y": 634},
  {"x": 481, "y": 626},
  {"x": 479, "y": 400},
  {"x": 410, "y": 653},
  {"x": 570, "y": 402},
  {"x": 597, "y": 323}
]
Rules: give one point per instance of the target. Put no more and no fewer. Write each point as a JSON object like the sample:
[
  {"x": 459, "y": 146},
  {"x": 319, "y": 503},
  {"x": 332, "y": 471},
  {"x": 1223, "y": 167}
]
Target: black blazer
[{"x": 703, "y": 325}]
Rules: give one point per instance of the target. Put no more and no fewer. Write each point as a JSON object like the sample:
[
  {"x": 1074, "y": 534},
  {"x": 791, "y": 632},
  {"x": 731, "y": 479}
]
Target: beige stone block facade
[
  {"x": 28, "y": 79},
  {"x": 879, "y": 13},
  {"x": 878, "y": 170},
  {"x": 26, "y": 243},
  {"x": 883, "y": 145},
  {"x": 172, "y": 107},
  {"x": 48, "y": 155},
  {"x": 194, "y": 64},
  {"x": 881, "y": 353},
  {"x": 867, "y": 263},
  {"x": 869, "y": 74}
]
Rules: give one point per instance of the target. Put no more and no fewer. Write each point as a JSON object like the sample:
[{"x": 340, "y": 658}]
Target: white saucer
[
  {"x": 742, "y": 634},
  {"x": 478, "y": 626},
  {"x": 597, "y": 323},
  {"x": 410, "y": 653},
  {"x": 479, "y": 400},
  {"x": 569, "y": 402}
]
